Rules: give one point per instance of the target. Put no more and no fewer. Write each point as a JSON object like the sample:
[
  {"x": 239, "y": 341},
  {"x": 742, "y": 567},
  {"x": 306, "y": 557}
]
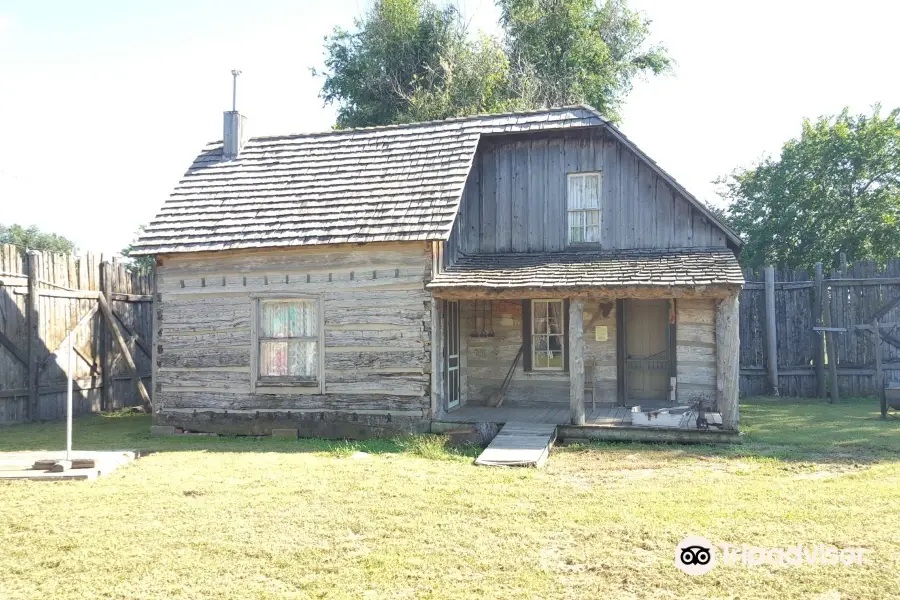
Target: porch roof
[{"x": 610, "y": 270}]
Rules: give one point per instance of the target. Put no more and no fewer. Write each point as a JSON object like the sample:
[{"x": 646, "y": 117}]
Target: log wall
[
  {"x": 695, "y": 350},
  {"x": 488, "y": 359},
  {"x": 377, "y": 329}
]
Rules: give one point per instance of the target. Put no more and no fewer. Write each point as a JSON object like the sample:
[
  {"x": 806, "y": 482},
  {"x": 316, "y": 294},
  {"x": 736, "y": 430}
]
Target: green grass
[
  {"x": 852, "y": 424},
  {"x": 206, "y": 517}
]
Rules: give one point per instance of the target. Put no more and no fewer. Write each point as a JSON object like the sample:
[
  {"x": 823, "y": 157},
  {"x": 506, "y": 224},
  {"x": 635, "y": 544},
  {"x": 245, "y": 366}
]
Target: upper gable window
[{"x": 583, "y": 198}]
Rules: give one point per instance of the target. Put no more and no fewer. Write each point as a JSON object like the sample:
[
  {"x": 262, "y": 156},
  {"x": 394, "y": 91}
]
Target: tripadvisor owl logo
[{"x": 695, "y": 555}]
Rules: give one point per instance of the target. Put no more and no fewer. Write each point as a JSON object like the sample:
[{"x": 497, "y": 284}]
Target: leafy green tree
[
  {"x": 33, "y": 238},
  {"x": 411, "y": 60},
  {"x": 834, "y": 189},
  {"x": 138, "y": 262},
  {"x": 571, "y": 51}
]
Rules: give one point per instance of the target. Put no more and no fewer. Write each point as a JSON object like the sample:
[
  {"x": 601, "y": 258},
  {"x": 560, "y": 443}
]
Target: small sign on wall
[{"x": 601, "y": 333}]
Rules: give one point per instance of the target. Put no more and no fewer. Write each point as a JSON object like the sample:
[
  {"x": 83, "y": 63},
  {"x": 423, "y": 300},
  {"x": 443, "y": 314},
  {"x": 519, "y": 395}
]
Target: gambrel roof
[
  {"x": 610, "y": 269},
  {"x": 378, "y": 184}
]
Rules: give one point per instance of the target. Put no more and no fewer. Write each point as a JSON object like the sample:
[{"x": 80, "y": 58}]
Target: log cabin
[{"x": 363, "y": 282}]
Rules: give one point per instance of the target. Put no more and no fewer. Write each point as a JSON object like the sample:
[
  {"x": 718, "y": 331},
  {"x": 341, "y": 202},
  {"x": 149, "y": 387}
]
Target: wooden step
[{"x": 519, "y": 444}]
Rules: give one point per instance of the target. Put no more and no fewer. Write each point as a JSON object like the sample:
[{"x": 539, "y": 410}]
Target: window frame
[
  {"x": 564, "y": 335},
  {"x": 584, "y": 211},
  {"x": 268, "y": 384}
]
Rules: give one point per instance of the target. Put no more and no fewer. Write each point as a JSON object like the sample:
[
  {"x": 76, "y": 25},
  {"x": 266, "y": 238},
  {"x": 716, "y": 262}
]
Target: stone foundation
[{"x": 326, "y": 425}]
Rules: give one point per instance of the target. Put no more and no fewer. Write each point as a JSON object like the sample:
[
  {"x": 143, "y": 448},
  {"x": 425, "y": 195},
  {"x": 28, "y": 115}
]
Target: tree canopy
[
  {"x": 571, "y": 51},
  {"x": 834, "y": 189},
  {"x": 137, "y": 262},
  {"x": 413, "y": 60},
  {"x": 33, "y": 238}
]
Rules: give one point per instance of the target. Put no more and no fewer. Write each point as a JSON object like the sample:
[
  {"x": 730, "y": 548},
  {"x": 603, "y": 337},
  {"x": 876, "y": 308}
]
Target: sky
[{"x": 104, "y": 104}]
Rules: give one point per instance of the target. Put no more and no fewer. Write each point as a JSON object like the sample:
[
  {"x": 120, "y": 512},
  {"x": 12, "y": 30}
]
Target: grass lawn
[{"x": 228, "y": 518}]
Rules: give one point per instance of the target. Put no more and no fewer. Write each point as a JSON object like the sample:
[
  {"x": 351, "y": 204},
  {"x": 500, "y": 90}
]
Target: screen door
[{"x": 451, "y": 351}]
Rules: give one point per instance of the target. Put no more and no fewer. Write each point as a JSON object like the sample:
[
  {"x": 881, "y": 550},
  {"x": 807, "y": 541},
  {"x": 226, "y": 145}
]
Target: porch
[
  {"x": 600, "y": 424},
  {"x": 617, "y": 416},
  {"x": 545, "y": 351}
]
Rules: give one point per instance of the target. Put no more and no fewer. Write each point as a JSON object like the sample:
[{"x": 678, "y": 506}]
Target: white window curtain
[
  {"x": 289, "y": 339},
  {"x": 583, "y": 199}
]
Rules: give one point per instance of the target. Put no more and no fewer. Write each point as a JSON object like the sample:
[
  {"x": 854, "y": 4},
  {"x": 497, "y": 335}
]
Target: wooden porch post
[
  {"x": 576, "y": 360},
  {"x": 727, "y": 354}
]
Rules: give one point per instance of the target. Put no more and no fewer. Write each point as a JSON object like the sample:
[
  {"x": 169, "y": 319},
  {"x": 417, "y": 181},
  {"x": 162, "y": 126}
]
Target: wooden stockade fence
[
  {"x": 44, "y": 298},
  {"x": 851, "y": 316}
]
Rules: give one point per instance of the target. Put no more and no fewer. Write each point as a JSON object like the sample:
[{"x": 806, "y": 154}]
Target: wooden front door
[{"x": 647, "y": 351}]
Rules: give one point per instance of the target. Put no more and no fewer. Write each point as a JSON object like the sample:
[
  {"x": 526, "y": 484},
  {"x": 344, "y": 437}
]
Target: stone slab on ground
[
  {"x": 291, "y": 434},
  {"x": 18, "y": 465},
  {"x": 156, "y": 430}
]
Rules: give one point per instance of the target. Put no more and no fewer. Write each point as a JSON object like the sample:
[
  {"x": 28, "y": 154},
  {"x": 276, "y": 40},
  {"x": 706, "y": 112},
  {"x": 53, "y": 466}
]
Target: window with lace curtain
[
  {"x": 583, "y": 203},
  {"x": 288, "y": 343}
]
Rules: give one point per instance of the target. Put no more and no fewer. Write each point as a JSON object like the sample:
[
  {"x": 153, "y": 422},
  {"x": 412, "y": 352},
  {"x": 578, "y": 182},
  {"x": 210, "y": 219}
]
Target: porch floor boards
[{"x": 608, "y": 417}]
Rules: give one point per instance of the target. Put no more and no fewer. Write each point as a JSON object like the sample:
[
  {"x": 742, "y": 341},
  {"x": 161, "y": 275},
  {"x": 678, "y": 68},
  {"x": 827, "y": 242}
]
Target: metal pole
[
  {"x": 70, "y": 369},
  {"x": 234, "y": 73}
]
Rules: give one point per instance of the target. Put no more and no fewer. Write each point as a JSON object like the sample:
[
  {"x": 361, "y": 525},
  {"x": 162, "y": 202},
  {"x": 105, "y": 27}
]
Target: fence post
[
  {"x": 771, "y": 334},
  {"x": 829, "y": 346},
  {"x": 155, "y": 305},
  {"x": 879, "y": 369},
  {"x": 33, "y": 320},
  {"x": 106, "y": 339},
  {"x": 820, "y": 343}
]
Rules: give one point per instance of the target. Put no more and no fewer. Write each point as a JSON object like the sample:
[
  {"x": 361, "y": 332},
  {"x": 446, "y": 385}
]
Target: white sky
[{"x": 103, "y": 104}]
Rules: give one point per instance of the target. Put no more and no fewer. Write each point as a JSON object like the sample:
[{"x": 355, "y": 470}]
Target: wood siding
[
  {"x": 377, "y": 327},
  {"x": 486, "y": 360},
  {"x": 600, "y": 356},
  {"x": 515, "y": 198},
  {"x": 695, "y": 350}
]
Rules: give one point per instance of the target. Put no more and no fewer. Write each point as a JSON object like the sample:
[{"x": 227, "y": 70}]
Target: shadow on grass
[
  {"x": 128, "y": 431},
  {"x": 778, "y": 429}
]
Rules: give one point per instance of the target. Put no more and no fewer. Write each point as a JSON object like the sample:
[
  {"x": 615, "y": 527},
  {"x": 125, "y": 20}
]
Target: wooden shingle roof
[
  {"x": 611, "y": 269},
  {"x": 395, "y": 183}
]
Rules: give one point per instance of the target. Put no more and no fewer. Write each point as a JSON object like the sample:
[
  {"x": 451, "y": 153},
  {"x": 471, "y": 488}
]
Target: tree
[
  {"x": 138, "y": 262},
  {"x": 571, "y": 51},
  {"x": 834, "y": 189},
  {"x": 33, "y": 238},
  {"x": 410, "y": 60}
]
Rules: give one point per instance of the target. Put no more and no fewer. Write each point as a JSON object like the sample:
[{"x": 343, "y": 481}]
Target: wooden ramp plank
[{"x": 519, "y": 444}]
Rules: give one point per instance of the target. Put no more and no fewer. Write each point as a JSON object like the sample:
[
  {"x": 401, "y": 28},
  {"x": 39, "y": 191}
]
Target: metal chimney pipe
[
  {"x": 234, "y": 73},
  {"x": 233, "y": 131}
]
